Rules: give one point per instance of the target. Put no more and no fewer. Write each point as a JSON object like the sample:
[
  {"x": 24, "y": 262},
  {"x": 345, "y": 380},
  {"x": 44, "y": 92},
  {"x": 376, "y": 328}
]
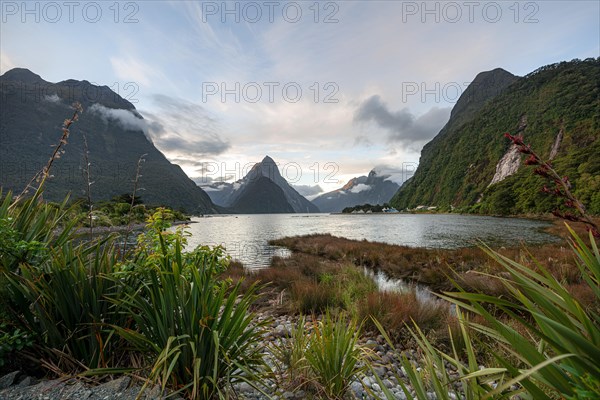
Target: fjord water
[{"x": 246, "y": 236}]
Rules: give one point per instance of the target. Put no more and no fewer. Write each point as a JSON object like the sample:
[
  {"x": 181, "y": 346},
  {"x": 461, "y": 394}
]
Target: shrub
[
  {"x": 11, "y": 341},
  {"x": 333, "y": 354},
  {"x": 196, "y": 329},
  {"x": 65, "y": 303}
]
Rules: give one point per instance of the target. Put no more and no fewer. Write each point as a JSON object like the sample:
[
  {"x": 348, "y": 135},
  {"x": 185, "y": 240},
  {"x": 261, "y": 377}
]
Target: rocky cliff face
[
  {"x": 508, "y": 165},
  {"x": 511, "y": 161}
]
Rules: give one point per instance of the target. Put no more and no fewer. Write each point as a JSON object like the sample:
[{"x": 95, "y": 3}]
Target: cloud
[
  {"x": 6, "y": 63},
  {"x": 402, "y": 126},
  {"x": 308, "y": 190},
  {"x": 179, "y": 126},
  {"x": 52, "y": 98},
  {"x": 396, "y": 174},
  {"x": 129, "y": 69},
  {"x": 126, "y": 118},
  {"x": 361, "y": 187},
  {"x": 185, "y": 128}
]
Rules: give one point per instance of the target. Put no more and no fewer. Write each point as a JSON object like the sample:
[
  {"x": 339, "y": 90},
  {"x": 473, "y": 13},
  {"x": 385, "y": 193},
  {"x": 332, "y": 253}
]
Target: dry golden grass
[
  {"x": 396, "y": 311},
  {"x": 436, "y": 268},
  {"x": 304, "y": 283}
]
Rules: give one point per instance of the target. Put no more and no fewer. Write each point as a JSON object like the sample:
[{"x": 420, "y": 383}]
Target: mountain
[
  {"x": 372, "y": 189},
  {"x": 470, "y": 165},
  {"x": 263, "y": 181},
  {"x": 262, "y": 197},
  {"x": 31, "y": 115}
]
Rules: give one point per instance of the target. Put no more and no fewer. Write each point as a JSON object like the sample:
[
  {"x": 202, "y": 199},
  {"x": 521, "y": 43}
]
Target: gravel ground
[{"x": 16, "y": 386}]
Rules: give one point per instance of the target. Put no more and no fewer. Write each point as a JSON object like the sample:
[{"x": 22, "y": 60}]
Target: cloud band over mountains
[
  {"x": 402, "y": 126},
  {"x": 181, "y": 126}
]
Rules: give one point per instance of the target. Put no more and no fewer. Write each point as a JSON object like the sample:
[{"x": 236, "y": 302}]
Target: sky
[{"x": 329, "y": 89}]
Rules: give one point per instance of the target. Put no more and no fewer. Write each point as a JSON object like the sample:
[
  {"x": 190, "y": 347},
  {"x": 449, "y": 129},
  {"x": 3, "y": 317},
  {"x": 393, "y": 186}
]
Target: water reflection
[{"x": 246, "y": 236}]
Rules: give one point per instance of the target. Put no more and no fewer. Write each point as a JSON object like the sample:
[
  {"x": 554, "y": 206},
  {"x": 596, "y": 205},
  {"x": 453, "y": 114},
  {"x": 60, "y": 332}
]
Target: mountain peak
[
  {"x": 22, "y": 75},
  {"x": 485, "y": 86},
  {"x": 496, "y": 73},
  {"x": 267, "y": 160}
]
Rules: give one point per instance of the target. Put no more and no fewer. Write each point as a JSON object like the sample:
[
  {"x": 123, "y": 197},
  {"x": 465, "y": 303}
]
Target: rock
[
  {"x": 28, "y": 381},
  {"x": 246, "y": 388},
  {"x": 400, "y": 396},
  {"x": 367, "y": 381},
  {"x": 7, "y": 380},
  {"x": 282, "y": 331},
  {"x": 357, "y": 389},
  {"x": 117, "y": 385},
  {"x": 380, "y": 371}
]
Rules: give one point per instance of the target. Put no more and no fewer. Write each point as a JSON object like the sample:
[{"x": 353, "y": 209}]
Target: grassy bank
[{"x": 436, "y": 269}]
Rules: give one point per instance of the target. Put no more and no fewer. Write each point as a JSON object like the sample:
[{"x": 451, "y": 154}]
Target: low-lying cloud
[
  {"x": 178, "y": 126},
  {"x": 186, "y": 127},
  {"x": 127, "y": 119},
  {"x": 402, "y": 126},
  {"x": 361, "y": 187},
  {"x": 308, "y": 190},
  {"x": 396, "y": 174}
]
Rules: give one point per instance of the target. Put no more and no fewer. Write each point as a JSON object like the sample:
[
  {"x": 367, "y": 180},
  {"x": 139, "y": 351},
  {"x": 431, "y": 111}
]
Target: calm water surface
[{"x": 246, "y": 236}]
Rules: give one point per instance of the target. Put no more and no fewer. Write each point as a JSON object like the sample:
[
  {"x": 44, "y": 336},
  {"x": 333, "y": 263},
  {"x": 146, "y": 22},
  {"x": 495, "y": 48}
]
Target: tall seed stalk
[
  {"x": 135, "y": 189},
  {"x": 41, "y": 176},
  {"x": 88, "y": 177}
]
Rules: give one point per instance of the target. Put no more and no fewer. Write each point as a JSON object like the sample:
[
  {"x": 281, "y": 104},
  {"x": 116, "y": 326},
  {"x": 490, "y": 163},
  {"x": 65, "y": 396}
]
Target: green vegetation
[
  {"x": 333, "y": 355},
  {"x": 185, "y": 320},
  {"x": 323, "y": 358},
  {"x": 312, "y": 285},
  {"x": 83, "y": 309},
  {"x": 457, "y": 166},
  {"x": 377, "y": 208},
  {"x": 196, "y": 330},
  {"x": 118, "y": 212}
]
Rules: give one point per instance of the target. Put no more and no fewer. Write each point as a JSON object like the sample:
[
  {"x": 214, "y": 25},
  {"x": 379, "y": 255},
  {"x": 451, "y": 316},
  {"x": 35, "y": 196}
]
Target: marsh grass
[
  {"x": 435, "y": 268},
  {"x": 396, "y": 310},
  {"x": 307, "y": 284}
]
